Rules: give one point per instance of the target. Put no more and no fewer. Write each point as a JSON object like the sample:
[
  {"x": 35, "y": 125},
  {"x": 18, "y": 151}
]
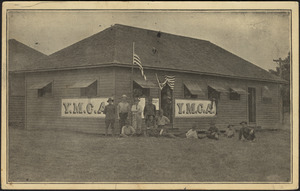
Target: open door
[
  {"x": 167, "y": 102},
  {"x": 252, "y": 105}
]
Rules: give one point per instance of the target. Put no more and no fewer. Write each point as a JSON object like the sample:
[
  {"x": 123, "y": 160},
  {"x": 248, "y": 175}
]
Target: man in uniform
[{"x": 110, "y": 113}]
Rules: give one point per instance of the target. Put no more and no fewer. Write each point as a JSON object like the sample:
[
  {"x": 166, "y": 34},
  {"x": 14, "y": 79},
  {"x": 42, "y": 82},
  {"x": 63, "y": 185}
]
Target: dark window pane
[
  {"x": 90, "y": 91},
  {"x": 187, "y": 94},
  {"x": 234, "y": 95},
  {"x": 45, "y": 91}
]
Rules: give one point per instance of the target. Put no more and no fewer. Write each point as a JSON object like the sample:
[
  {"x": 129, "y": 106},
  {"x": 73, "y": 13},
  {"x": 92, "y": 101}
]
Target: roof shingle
[{"x": 163, "y": 51}]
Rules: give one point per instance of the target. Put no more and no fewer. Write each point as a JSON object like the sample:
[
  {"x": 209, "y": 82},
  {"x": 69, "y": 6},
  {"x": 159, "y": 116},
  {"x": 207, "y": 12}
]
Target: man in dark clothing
[
  {"x": 149, "y": 113},
  {"x": 246, "y": 133},
  {"x": 213, "y": 132},
  {"x": 110, "y": 114}
]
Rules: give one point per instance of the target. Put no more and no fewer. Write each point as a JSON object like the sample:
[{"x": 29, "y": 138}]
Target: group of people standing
[
  {"x": 125, "y": 112},
  {"x": 155, "y": 122}
]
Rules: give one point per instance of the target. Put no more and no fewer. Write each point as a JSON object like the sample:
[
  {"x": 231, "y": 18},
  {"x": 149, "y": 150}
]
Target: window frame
[
  {"x": 85, "y": 89},
  {"x": 210, "y": 90},
  {"x": 233, "y": 93},
  {"x": 186, "y": 93},
  {"x": 40, "y": 94}
]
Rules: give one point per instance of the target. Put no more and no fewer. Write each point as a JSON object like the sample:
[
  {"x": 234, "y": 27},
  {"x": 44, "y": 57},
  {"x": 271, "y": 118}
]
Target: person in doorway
[
  {"x": 192, "y": 133},
  {"x": 213, "y": 131},
  {"x": 127, "y": 130},
  {"x": 246, "y": 133},
  {"x": 230, "y": 131},
  {"x": 137, "y": 110},
  {"x": 110, "y": 113},
  {"x": 149, "y": 113},
  {"x": 123, "y": 111}
]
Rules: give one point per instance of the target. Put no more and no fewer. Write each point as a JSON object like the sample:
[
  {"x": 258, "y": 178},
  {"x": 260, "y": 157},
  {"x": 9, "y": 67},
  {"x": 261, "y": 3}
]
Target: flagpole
[
  {"x": 131, "y": 77},
  {"x": 132, "y": 70}
]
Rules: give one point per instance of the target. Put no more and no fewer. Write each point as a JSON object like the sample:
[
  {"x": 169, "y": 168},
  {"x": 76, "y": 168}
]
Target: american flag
[
  {"x": 137, "y": 61},
  {"x": 170, "y": 80}
]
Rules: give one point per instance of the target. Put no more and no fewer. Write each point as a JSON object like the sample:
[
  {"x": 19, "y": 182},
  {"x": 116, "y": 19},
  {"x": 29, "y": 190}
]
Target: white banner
[
  {"x": 83, "y": 107},
  {"x": 194, "y": 108},
  {"x": 91, "y": 107}
]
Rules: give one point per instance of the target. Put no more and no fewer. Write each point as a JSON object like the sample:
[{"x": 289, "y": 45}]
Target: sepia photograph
[{"x": 149, "y": 95}]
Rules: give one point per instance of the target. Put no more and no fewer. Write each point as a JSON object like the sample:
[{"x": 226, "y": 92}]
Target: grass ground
[{"x": 64, "y": 156}]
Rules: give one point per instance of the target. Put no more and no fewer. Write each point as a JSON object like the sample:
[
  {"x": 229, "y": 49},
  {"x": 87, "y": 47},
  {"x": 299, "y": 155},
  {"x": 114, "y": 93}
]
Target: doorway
[
  {"x": 252, "y": 105},
  {"x": 167, "y": 102}
]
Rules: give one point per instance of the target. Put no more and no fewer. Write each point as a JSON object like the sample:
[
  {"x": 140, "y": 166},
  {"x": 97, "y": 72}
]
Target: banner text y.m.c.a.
[
  {"x": 83, "y": 107},
  {"x": 185, "y": 108}
]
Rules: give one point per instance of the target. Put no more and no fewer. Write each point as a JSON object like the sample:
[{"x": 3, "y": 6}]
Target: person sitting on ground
[
  {"x": 192, "y": 133},
  {"x": 246, "y": 133},
  {"x": 127, "y": 130},
  {"x": 230, "y": 131},
  {"x": 161, "y": 122},
  {"x": 213, "y": 132}
]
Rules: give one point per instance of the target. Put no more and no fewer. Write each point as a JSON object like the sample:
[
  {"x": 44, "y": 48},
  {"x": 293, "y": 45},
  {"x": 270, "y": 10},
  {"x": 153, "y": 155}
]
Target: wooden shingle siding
[
  {"x": 16, "y": 113},
  {"x": 16, "y": 105},
  {"x": 45, "y": 112},
  {"x": 229, "y": 111}
]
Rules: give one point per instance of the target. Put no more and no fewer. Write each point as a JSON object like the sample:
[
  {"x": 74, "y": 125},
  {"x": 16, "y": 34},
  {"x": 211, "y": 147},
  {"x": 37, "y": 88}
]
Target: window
[
  {"x": 89, "y": 91},
  {"x": 187, "y": 94},
  {"x": 213, "y": 94},
  {"x": 233, "y": 95},
  {"x": 45, "y": 91},
  {"x": 192, "y": 89},
  {"x": 266, "y": 95},
  {"x": 139, "y": 91}
]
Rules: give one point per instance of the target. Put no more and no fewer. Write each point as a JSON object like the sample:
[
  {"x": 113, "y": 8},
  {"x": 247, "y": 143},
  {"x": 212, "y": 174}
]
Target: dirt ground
[{"x": 67, "y": 156}]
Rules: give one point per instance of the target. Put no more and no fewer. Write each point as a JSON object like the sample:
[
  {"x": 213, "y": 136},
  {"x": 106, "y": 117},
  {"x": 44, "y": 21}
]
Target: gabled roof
[
  {"x": 157, "y": 50},
  {"x": 21, "y": 56}
]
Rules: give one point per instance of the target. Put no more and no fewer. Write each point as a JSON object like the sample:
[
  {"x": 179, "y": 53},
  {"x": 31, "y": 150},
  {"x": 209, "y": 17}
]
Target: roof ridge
[{"x": 165, "y": 33}]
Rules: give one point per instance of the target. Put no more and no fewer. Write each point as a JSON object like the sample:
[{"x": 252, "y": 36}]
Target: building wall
[
  {"x": 229, "y": 111},
  {"x": 16, "y": 107},
  {"x": 45, "y": 112}
]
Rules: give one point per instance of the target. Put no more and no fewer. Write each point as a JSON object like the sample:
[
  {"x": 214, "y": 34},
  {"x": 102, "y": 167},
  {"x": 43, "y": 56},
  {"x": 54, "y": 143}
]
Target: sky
[{"x": 258, "y": 37}]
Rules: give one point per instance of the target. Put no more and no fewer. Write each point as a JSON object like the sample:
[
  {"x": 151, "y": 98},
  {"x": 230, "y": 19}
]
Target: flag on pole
[
  {"x": 170, "y": 80},
  {"x": 137, "y": 61},
  {"x": 161, "y": 85}
]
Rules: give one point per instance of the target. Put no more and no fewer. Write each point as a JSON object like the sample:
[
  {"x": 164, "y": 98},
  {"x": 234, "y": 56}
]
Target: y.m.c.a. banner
[
  {"x": 194, "y": 108},
  {"x": 90, "y": 107},
  {"x": 83, "y": 107}
]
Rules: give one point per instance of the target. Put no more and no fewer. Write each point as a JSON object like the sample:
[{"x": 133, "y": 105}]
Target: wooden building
[
  {"x": 62, "y": 90},
  {"x": 20, "y": 58}
]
